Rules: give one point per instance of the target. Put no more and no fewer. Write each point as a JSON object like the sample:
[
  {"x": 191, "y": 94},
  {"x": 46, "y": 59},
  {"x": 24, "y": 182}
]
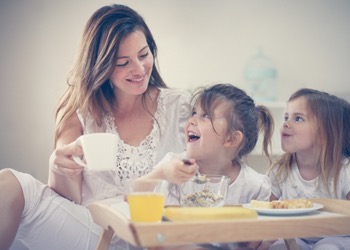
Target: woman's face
[
  {"x": 298, "y": 133},
  {"x": 133, "y": 66}
]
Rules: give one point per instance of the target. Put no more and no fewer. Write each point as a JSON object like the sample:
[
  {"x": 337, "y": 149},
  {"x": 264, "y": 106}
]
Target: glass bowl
[{"x": 209, "y": 193}]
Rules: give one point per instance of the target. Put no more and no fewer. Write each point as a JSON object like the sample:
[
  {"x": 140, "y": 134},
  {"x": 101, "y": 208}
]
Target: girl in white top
[
  {"x": 224, "y": 128},
  {"x": 115, "y": 87},
  {"x": 316, "y": 139},
  {"x": 248, "y": 184}
]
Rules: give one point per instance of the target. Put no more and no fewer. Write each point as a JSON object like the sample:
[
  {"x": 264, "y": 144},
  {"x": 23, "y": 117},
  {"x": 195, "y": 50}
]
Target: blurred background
[{"x": 285, "y": 44}]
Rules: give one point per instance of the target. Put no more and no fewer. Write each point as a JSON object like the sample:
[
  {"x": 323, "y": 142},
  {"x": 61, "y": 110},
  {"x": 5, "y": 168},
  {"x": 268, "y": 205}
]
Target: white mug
[{"x": 100, "y": 151}]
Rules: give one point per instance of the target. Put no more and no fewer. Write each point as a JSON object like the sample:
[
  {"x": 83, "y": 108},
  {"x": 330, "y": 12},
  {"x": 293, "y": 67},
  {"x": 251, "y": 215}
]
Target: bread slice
[{"x": 261, "y": 204}]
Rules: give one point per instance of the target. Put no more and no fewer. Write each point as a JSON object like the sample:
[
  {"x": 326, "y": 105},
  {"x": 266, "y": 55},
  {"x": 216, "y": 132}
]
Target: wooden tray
[{"x": 333, "y": 219}]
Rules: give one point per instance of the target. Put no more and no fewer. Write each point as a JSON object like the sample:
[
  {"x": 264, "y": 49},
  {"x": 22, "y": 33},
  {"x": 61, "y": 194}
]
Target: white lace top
[{"x": 167, "y": 135}]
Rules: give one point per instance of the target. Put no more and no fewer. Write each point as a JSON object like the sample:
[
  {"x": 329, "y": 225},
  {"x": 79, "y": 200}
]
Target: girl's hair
[
  {"x": 332, "y": 118},
  {"x": 89, "y": 87},
  {"x": 242, "y": 115}
]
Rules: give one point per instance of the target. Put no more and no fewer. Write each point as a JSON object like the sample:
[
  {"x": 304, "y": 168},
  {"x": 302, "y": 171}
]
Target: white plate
[{"x": 277, "y": 211}]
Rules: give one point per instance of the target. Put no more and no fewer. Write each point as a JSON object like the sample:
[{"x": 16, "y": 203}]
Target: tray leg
[
  {"x": 105, "y": 239},
  {"x": 291, "y": 244}
]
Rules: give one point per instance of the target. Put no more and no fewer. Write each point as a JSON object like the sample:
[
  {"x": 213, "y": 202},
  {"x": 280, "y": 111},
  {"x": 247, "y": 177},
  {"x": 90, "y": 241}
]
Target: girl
[
  {"x": 316, "y": 163},
  {"x": 222, "y": 130}
]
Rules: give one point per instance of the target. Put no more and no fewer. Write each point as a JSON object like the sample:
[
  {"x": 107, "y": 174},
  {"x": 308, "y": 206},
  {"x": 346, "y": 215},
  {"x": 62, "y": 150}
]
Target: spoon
[{"x": 198, "y": 178}]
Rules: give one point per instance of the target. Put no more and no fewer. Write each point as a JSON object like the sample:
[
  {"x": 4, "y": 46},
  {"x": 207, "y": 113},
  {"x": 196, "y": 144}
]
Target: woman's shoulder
[
  {"x": 89, "y": 124},
  {"x": 174, "y": 91},
  {"x": 172, "y": 94}
]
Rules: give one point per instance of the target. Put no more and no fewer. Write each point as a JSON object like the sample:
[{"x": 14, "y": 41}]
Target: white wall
[{"x": 200, "y": 42}]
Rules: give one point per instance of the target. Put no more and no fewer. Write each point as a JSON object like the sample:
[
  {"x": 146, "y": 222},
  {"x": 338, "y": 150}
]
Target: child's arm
[{"x": 174, "y": 170}]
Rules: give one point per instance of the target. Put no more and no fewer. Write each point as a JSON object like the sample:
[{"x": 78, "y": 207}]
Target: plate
[{"x": 270, "y": 211}]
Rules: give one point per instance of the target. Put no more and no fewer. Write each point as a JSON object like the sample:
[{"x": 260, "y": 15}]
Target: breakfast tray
[{"x": 332, "y": 219}]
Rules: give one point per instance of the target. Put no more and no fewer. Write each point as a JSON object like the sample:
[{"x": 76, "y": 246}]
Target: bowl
[{"x": 211, "y": 192}]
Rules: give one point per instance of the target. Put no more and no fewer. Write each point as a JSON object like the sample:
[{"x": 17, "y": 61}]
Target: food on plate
[
  {"x": 204, "y": 198},
  {"x": 260, "y": 204},
  {"x": 208, "y": 213},
  {"x": 282, "y": 204}
]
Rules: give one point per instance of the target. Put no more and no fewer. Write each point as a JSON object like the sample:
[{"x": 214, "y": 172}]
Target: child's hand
[{"x": 178, "y": 171}]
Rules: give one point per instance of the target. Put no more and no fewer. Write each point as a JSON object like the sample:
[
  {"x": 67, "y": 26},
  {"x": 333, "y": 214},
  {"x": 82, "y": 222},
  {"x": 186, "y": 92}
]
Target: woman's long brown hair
[{"x": 89, "y": 88}]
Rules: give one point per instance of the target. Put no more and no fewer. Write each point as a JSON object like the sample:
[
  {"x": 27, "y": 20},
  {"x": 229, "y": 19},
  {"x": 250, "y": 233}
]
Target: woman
[{"x": 114, "y": 87}]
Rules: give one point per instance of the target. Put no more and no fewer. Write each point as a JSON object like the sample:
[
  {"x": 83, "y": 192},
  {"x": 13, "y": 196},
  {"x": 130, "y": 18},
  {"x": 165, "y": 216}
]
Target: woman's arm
[{"x": 65, "y": 175}]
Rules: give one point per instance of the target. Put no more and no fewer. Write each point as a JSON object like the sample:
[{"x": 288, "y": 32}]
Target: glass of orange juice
[{"x": 146, "y": 198}]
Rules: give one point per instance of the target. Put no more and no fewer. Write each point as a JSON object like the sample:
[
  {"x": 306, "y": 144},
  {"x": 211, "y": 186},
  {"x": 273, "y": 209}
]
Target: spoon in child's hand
[{"x": 198, "y": 178}]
